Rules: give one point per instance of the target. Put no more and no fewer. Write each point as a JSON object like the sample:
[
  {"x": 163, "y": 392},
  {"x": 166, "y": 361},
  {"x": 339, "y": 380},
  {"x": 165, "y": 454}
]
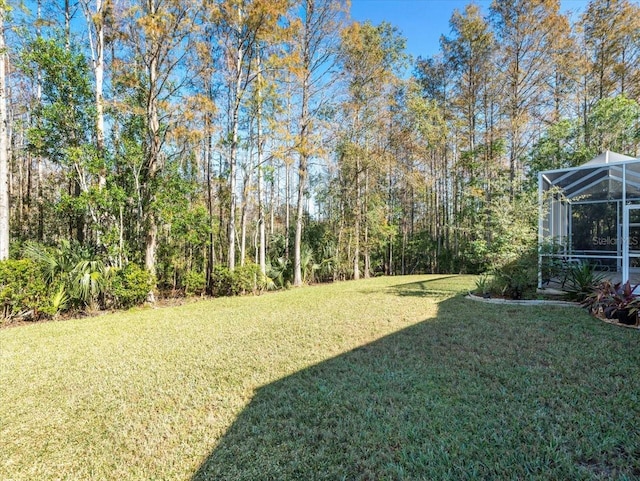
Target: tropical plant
[
  {"x": 520, "y": 276},
  {"x": 279, "y": 270},
  {"x": 582, "y": 280},
  {"x": 615, "y": 301},
  {"x": 83, "y": 276},
  {"x": 309, "y": 267},
  {"x": 484, "y": 284},
  {"x": 59, "y": 300}
]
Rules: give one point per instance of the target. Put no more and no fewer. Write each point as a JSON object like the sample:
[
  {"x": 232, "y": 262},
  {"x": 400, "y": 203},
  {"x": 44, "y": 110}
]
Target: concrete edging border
[{"x": 522, "y": 302}]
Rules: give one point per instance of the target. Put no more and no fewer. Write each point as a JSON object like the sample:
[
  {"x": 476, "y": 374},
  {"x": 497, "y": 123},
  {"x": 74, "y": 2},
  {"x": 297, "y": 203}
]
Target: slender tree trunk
[
  {"x": 356, "y": 222},
  {"x": 4, "y": 148},
  {"x": 302, "y": 172},
  {"x": 262, "y": 262},
  {"x": 243, "y": 217},
  {"x": 287, "y": 211},
  {"x": 99, "y": 75},
  {"x": 365, "y": 246},
  {"x": 152, "y": 158},
  {"x": 209, "y": 159},
  {"x": 234, "y": 148},
  {"x": 67, "y": 24},
  {"x": 272, "y": 202}
]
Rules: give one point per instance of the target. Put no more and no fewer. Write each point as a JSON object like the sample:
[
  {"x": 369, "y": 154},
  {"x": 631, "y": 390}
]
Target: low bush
[
  {"x": 245, "y": 279},
  {"x": 194, "y": 283},
  {"x": 614, "y": 301},
  {"x": 23, "y": 291},
  {"x": 518, "y": 278},
  {"x": 83, "y": 275},
  {"x": 130, "y": 286},
  {"x": 241, "y": 280},
  {"x": 484, "y": 285},
  {"x": 221, "y": 281}
]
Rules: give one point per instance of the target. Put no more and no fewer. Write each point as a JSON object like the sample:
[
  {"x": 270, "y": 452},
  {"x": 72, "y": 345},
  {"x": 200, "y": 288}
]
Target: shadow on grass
[
  {"x": 448, "y": 398},
  {"x": 435, "y": 287}
]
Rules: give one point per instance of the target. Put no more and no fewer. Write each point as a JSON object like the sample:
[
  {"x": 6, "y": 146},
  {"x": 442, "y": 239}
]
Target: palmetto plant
[
  {"x": 327, "y": 266},
  {"x": 307, "y": 264},
  {"x": 278, "y": 270},
  {"x": 82, "y": 276}
]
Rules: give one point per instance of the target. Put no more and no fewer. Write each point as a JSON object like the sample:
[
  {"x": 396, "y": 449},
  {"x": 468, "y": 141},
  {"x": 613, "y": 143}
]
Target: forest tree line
[{"x": 192, "y": 137}]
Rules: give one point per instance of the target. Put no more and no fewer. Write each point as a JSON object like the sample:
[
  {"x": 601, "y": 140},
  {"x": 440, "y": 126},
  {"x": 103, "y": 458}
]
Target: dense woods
[{"x": 194, "y": 139}]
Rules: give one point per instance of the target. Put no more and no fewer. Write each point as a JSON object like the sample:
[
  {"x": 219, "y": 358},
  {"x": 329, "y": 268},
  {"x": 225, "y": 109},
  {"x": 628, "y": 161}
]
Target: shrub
[
  {"x": 245, "y": 278},
  {"x": 221, "y": 281},
  {"x": 130, "y": 286},
  {"x": 241, "y": 280},
  {"x": 519, "y": 277},
  {"x": 195, "y": 283},
  {"x": 23, "y": 291},
  {"x": 280, "y": 270}
]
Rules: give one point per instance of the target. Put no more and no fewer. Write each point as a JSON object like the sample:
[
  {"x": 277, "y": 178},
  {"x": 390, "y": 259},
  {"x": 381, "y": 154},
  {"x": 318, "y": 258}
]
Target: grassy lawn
[{"x": 389, "y": 378}]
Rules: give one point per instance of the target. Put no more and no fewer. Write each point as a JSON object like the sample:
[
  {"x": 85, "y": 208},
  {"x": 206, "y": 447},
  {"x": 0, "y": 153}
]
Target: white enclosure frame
[{"x": 610, "y": 181}]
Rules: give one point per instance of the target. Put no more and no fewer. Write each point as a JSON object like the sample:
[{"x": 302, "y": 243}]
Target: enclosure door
[{"x": 630, "y": 240}]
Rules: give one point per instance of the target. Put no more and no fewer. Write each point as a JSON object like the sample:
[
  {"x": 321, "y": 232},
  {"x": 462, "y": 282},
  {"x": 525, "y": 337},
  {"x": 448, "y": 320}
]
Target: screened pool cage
[{"x": 590, "y": 214}]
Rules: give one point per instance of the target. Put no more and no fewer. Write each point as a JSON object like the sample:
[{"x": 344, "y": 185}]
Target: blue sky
[{"x": 422, "y": 22}]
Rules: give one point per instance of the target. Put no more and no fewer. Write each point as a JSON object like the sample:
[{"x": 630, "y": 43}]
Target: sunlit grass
[{"x": 389, "y": 378}]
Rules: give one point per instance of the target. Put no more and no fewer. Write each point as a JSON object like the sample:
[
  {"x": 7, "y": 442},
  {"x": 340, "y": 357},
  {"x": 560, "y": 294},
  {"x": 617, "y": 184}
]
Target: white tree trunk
[
  {"x": 261, "y": 232},
  {"x": 99, "y": 74},
  {"x": 4, "y": 149}
]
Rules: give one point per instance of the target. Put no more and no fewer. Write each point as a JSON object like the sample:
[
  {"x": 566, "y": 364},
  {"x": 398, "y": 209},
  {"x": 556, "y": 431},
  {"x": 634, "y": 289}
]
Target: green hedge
[
  {"x": 241, "y": 280},
  {"x": 130, "y": 286},
  {"x": 23, "y": 291}
]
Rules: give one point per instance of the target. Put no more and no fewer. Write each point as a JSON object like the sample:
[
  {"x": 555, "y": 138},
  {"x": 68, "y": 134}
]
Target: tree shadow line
[{"x": 432, "y": 401}]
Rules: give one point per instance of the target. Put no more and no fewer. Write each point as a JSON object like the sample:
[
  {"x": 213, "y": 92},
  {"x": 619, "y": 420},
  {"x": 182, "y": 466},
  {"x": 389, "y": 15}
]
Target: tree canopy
[{"x": 183, "y": 136}]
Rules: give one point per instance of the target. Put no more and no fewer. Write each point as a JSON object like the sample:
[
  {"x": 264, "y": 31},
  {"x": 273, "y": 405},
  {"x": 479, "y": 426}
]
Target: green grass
[{"x": 389, "y": 378}]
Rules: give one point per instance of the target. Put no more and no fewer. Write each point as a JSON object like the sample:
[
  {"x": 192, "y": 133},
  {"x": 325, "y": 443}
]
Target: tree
[
  {"x": 96, "y": 27},
  {"x": 243, "y": 24},
  {"x": 371, "y": 56},
  {"x": 321, "y": 20},
  {"x": 613, "y": 125},
  {"x": 4, "y": 144},
  {"x": 612, "y": 40},
  {"x": 469, "y": 52},
  {"x": 526, "y": 30},
  {"x": 159, "y": 36},
  {"x": 64, "y": 123}
]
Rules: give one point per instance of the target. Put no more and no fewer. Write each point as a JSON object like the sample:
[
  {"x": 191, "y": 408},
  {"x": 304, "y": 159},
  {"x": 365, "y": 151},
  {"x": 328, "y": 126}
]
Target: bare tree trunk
[
  {"x": 246, "y": 184},
  {"x": 4, "y": 149},
  {"x": 272, "y": 202},
  {"x": 208, "y": 159},
  {"x": 365, "y": 247},
  {"x": 356, "y": 227},
  {"x": 287, "y": 207},
  {"x": 152, "y": 158},
  {"x": 99, "y": 75},
  {"x": 261, "y": 232},
  {"x": 39, "y": 160},
  {"x": 240, "y": 53},
  {"x": 302, "y": 166}
]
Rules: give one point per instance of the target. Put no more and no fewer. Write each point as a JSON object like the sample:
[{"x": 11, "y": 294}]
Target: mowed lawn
[{"x": 382, "y": 379}]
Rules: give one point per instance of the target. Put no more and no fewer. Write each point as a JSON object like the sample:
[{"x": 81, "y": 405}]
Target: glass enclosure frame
[{"x": 591, "y": 213}]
